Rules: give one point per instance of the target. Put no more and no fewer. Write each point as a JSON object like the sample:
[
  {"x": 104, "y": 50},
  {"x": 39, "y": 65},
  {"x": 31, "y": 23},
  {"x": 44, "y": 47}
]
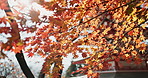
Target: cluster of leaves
[
  {"x": 113, "y": 30},
  {"x": 17, "y": 21}
]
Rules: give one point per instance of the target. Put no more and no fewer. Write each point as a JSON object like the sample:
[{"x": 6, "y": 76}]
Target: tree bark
[{"x": 22, "y": 62}]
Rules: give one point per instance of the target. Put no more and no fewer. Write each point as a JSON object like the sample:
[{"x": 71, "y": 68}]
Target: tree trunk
[
  {"x": 20, "y": 57},
  {"x": 23, "y": 65},
  {"x": 60, "y": 71},
  {"x": 41, "y": 75},
  {"x": 44, "y": 68}
]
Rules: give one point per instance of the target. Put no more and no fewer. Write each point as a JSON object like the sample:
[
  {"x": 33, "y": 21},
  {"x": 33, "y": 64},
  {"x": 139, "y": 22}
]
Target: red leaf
[
  {"x": 30, "y": 54},
  {"x": 130, "y": 33},
  {"x": 84, "y": 55}
]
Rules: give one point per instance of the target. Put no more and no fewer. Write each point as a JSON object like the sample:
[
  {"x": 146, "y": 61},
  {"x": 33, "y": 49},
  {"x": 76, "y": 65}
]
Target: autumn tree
[
  {"x": 113, "y": 30},
  {"x": 14, "y": 42}
]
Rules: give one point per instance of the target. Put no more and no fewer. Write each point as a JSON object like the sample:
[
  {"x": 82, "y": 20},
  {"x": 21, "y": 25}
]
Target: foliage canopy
[{"x": 113, "y": 30}]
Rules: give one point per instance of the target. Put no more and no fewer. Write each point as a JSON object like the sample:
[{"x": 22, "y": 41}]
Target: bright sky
[{"x": 24, "y": 6}]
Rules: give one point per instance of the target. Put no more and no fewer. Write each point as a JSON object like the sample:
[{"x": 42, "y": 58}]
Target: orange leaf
[
  {"x": 100, "y": 66},
  {"x": 134, "y": 53},
  {"x": 3, "y": 4},
  {"x": 89, "y": 72}
]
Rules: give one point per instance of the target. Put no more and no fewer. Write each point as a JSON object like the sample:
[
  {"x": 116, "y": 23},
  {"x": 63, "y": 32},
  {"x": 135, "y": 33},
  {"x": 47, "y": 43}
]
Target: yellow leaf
[
  {"x": 100, "y": 66},
  {"x": 140, "y": 21},
  {"x": 115, "y": 51},
  {"x": 134, "y": 10},
  {"x": 124, "y": 39},
  {"x": 19, "y": 44},
  {"x": 127, "y": 29},
  {"x": 126, "y": 44},
  {"x": 126, "y": 55},
  {"x": 90, "y": 72},
  {"x": 100, "y": 55},
  {"x": 134, "y": 18},
  {"x": 134, "y": 53},
  {"x": 131, "y": 47}
]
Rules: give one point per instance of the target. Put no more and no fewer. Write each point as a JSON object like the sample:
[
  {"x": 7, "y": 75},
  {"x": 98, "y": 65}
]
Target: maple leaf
[
  {"x": 134, "y": 53},
  {"x": 95, "y": 75},
  {"x": 101, "y": 66},
  {"x": 89, "y": 72},
  {"x": 130, "y": 33},
  {"x": 17, "y": 49},
  {"x": 115, "y": 51},
  {"x": 3, "y": 20},
  {"x": 5, "y": 30},
  {"x": 100, "y": 55},
  {"x": 30, "y": 54},
  {"x": 72, "y": 2},
  {"x": 84, "y": 55},
  {"x": 4, "y": 5}
]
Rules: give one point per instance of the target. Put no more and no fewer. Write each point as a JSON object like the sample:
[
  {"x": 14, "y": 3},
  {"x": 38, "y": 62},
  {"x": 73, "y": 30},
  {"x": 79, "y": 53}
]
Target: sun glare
[
  {"x": 25, "y": 6},
  {"x": 24, "y": 2},
  {"x": 20, "y": 3}
]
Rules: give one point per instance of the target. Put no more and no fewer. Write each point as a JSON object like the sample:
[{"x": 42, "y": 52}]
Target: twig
[{"x": 134, "y": 27}]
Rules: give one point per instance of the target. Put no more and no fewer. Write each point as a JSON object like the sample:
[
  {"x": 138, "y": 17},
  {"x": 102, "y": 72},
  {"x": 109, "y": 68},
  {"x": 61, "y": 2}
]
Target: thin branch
[
  {"x": 102, "y": 14},
  {"x": 134, "y": 27},
  {"x": 131, "y": 30}
]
